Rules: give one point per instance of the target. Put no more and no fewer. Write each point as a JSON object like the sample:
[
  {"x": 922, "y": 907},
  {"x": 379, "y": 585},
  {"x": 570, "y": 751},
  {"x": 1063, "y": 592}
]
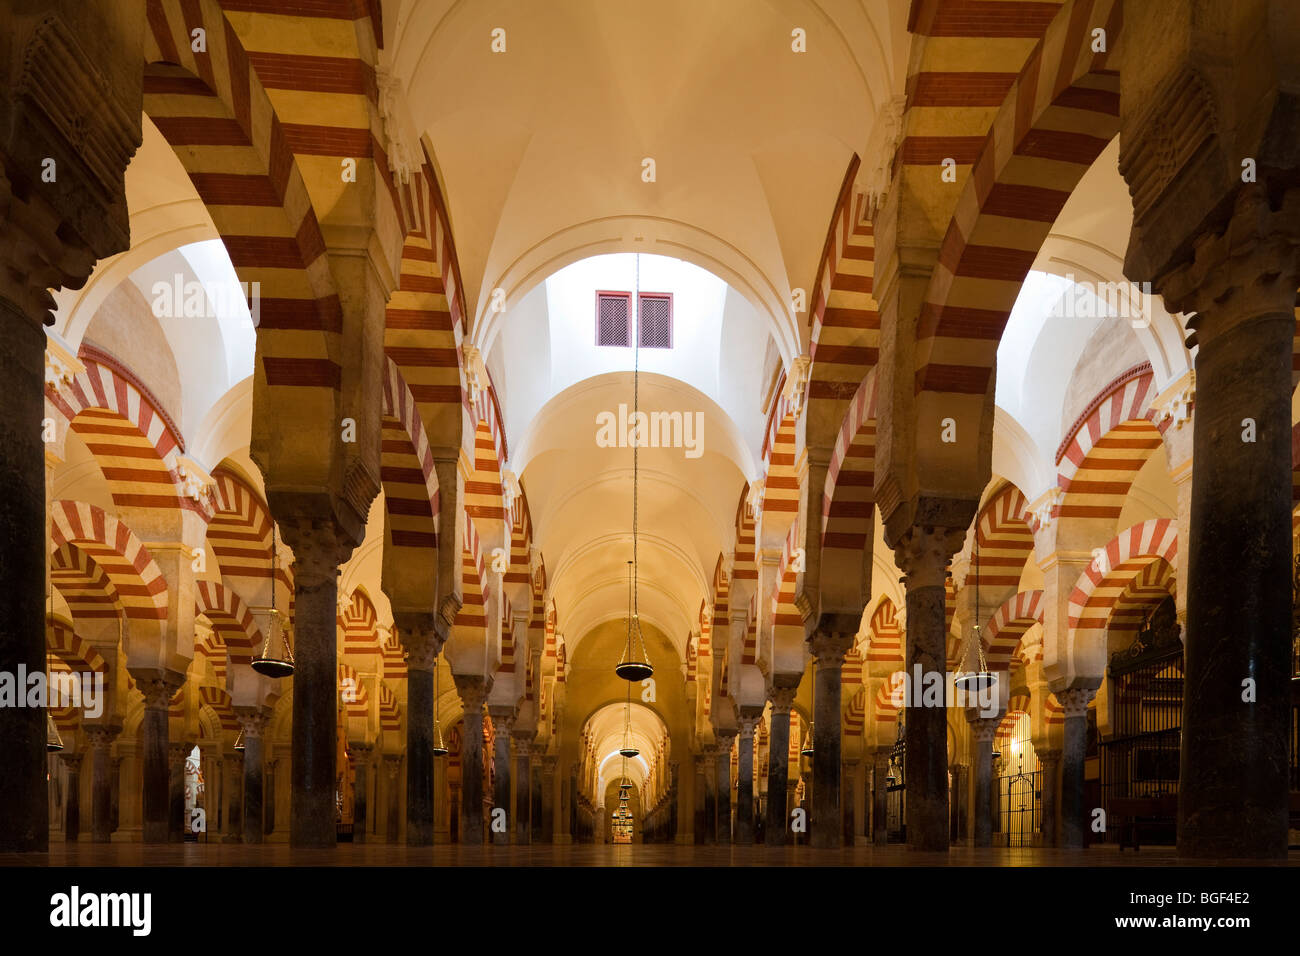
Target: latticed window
[
  {"x": 614, "y": 318},
  {"x": 656, "y": 321}
]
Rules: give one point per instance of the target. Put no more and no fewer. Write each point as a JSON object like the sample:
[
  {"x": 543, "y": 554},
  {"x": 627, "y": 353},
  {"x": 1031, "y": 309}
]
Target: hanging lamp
[
  {"x": 628, "y": 749},
  {"x": 807, "y": 749},
  {"x": 635, "y": 664},
  {"x": 439, "y": 745},
  {"x": 276, "y": 658},
  {"x": 239, "y": 741},
  {"x": 975, "y": 681}
]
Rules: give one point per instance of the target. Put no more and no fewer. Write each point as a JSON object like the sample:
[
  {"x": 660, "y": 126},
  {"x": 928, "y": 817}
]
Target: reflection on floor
[{"x": 381, "y": 854}]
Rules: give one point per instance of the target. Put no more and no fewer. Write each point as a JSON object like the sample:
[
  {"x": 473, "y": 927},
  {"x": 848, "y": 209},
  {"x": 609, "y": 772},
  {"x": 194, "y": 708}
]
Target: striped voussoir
[
  {"x": 519, "y": 570},
  {"x": 1053, "y": 712},
  {"x": 390, "y": 712},
  {"x": 1005, "y": 543},
  {"x": 845, "y": 322},
  {"x": 483, "y": 498},
  {"x": 240, "y": 532},
  {"x": 1108, "y": 446},
  {"x": 1109, "y": 576},
  {"x": 393, "y": 657},
  {"x": 849, "y": 496},
  {"x": 76, "y": 653},
  {"x": 890, "y": 697},
  {"x": 749, "y": 651},
  {"x": 406, "y": 470},
  {"x": 1017, "y": 707},
  {"x": 230, "y": 618},
  {"x": 508, "y": 649},
  {"x": 354, "y": 698},
  {"x": 786, "y": 619},
  {"x": 1006, "y": 628},
  {"x": 885, "y": 637},
  {"x": 112, "y": 546},
  {"x": 212, "y": 647},
  {"x": 360, "y": 629},
  {"x": 1057, "y": 115},
  {"x": 744, "y": 566},
  {"x": 123, "y": 426},
  {"x": 472, "y": 616},
  {"x": 855, "y": 715},
  {"x": 219, "y": 701},
  {"x": 1148, "y": 588},
  {"x": 83, "y": 584},
  {"x": 780, "y": 445},
  {"x": 213, "y": 109}
]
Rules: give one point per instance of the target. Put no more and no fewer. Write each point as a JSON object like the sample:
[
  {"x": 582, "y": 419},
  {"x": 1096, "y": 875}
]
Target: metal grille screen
[
  {"x": 612, "y": 320},
  {"x": 656, "y": 322}
]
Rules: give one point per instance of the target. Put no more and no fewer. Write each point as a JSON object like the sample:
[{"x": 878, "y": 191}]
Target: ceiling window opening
[{"x": 654, "y": 328}]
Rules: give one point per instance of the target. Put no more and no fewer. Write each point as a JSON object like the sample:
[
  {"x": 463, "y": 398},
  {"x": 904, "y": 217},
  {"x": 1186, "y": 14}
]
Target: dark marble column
[
  {"x": 361, "y": 754},
  {"x": 253, "y": 720},
  {"x": 548, "y": 798},
  {"x": 318, "y": 549},
  {"x": 722, "y": 778},
  {"x": 392, "y": 770},
  {"x": 473, "y": 691},
  {"x": 829, "y": 650},
  {"x": 701, "y": 767},
  {"x": 115, "y": 789},
  {"x": 880, "y": 796},
  {"x": 982, "y": 731},
  {"x": 573, "y": 805},
  {"x": 710, "y": 782},
  {"x": 177, "y": 755},
  {"x": 422, "y": 645},
  {"x": 536, "y": 805},
  {"x": 923, "y": 553},
  {"x": 745, "y": 780},
  {"x": 781, "y": 696},
  {"x": 268, "y": 790},
  {"x": 847, "y": 785},
  {"x": 1074, "y": 702},
  {"x": 155, "y": 784},
  {"x": 100, "y": 738},
  {"x": 523, "y": 786},
  {"x": 72, "y": 797},
  {"x": 1232, "y": 799},
  {"x": 234, "y": 793},
  {"x": 503, "y": 722},
  {"x": 1051, "y": 760}
]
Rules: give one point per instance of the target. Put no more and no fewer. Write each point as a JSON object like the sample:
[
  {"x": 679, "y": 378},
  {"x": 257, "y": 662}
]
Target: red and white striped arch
[
  {"x": 890, "y": 698},
  {"x": 780, "y": 447},
  {"x": 360, "y": 622},
  {"x": 407, "y": 473},
  {"x": 472, "y": 615},
  {"x": 745, "y": 565},
  {"x": 1106, "y": 579},
  {"x": 390, "y": 712},
  {"x": 77, "y": 653},
  {"x": 241, "y": 531},
  {"x": 885, "y": 636},
  {"x": 1007, "y": 627},
  {"x": 219, "y": 701},
  {"x": 349, "y": 681},
  {"x": 137, "y": 579},
  {"x": 83, "y": 583},
  {"x": 848, "y": 496},
  {"x": 1005, "y": 541},
  {"x": 1148, "y": 588},
  {"x": 230, "y": 618},
  {"x": 787, "y": 622}
]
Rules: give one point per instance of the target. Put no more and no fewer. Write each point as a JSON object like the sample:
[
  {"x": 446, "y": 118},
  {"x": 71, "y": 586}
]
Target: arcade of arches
[{"x": 964, "y": 335}]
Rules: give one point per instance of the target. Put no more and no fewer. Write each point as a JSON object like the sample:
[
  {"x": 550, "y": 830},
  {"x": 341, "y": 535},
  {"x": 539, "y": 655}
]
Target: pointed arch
[
  {"x": 128, "y": 564},
  {"x": 1008, "y": 625}
]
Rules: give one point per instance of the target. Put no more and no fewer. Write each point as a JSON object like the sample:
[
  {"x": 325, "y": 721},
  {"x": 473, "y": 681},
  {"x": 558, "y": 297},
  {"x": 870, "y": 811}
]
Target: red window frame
[
  {"x": 655, "y": 295},
  {"x": 626, "y": 297}
]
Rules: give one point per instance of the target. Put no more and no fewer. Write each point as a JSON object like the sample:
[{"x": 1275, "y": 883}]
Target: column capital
[
  {"x": 158, "y": 687},
  {"x": 71, "y": 759},
  {"x": 100, "y": 736},
  {"x": 923, "y": 553},
  {"x": 724, "y": 740},
  {"x": 750, "y": 718},
  {"x": 782, "y": 695},
  {"x": 420, "y": 642},
  {"x": 179, "y": 751},
  {"x": 984, "y": 728},
  {"x": 830, "y": 649},
  {"x": 319, "y": 547},
  {"x": 523, "y": 739},
  {"x": 473, "y": 690},
  {"x": 253, "y": 720},
  {"x": 360, "y": 750},
  {"x": 1048, "y": 756},
  {"x": 503, "y": 721},
  {"x": 392, "y": 765},
  {"x": 1074, "y": 701}
]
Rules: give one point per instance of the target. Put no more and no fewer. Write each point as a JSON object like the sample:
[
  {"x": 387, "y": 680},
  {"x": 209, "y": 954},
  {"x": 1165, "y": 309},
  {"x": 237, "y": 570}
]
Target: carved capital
[
  {"x": 71, "y": 760},
  {"x": 923, "y": 553},
  {"x": 473, "y": 690},
  {"x": 100, "y": 737},
  {"x": 1075, "y": 700},
  {"x": 253, "y": 720},
  {"x": 782, "y": 696},
  {"x": 392, "y": 765},
  {"x": 158, "y": 692},
  {"x": 421, "y": 643},
  {"x": 829, "y": 648},
  {"x": 319, "y": 547},
  {"x": 983, "y": 729}
]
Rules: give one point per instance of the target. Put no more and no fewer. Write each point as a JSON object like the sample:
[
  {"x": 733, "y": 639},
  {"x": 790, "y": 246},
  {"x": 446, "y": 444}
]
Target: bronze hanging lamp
[
  {"x": 276, "y": 658},
  {"x": 629, "y": 748},
  {"x": 807, "y": 749},
  {"x": 635, "y": 664},
  {"x": 439, "y": 745},
  {"x": 239, "y": 741},
  {"x": 975, "y": 681}
]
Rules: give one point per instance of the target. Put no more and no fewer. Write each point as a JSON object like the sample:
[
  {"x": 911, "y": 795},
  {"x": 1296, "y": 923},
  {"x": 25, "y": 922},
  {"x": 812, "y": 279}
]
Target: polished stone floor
[{"x": 380, "y": 854}]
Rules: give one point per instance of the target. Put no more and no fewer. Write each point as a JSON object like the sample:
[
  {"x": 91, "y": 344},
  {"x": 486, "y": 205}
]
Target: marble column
[
  {"x": 781, "y": 696},
  {"x": 710, "y": 783},
  {"x": 268, "y": 800},
  {"x": 880, "y": 796},
  {"x": 155, "y": 784},
  {"x": 1074, "y": 702},
  {"x": 722, "y": 784},
  {"x": 473, "y": 691},
  {"x": 115, "y": 789},
  {"x": 100, "y": 738},
  {"x": 548, "y": 798},
  {"x": 392, "y": 770},
  {"x": 1233, "y": 787},
  {"x": 848, "y": 787},
  {"x": 422, "y": 645},
  {"x": 828, "y": 650},
  {"x": 1051, "y": 761},
  {"x": 234, "y": 788},
  {"x": 503, "y": 721},
  {"x": 923, "y": 554},
  {"x": 536, "y": 805},
  {"x": 319, "y": 548},
  {"x": 177, "y": 755},
  {"x": 745, "y": 780},
  {"x": 253, "y": 720},
  {"x": 700, "y": 763},
  {"x": 361, "y": 753},
  {"x": 72, "y": 797},
  {"x": 523, "y": 786},
  {"x": 983, "y": 730}
]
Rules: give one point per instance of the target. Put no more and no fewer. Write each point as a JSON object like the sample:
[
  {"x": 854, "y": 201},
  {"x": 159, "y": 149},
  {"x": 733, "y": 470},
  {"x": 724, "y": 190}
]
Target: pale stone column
[
  {"x": 473, "y": 691},
  {"x": 880, "y": 796},
  {"x": 778, "y": 759},
  {"x": 1051, "y": 761},
  {"x": 722, "y": 783},
  {"x": 156, "y": 775},
  {"x": 253, "y": 720},
  {"x": 422, "y": 645},
  {"x": 503, "y": 720},
  {"x": 72, "y": 797},
  {"x": 392, "y": 823},
  {"x": 745, "y": 778},
  {"x": 319, "y": 547},
  {"x": 523, "y": 786},
  {"x": 361, "y": 753},
  {"x": 923, "y": 554},
  {"x": 100, "y": 738},
  {"x": 829, "y": 651},
  {"x": 1075, "y": 704},
  {"x": 983, "y": 729}
]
